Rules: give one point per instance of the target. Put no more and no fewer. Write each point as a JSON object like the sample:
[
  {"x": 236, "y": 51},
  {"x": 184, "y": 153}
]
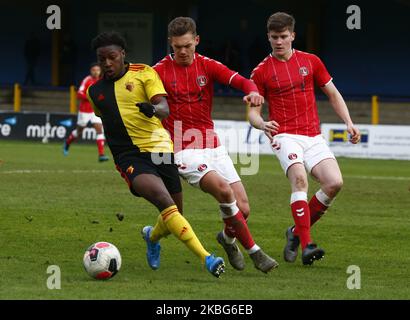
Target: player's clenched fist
[
  {"x": 254, "y": 99},
  {"x": 354, "y": 134}
]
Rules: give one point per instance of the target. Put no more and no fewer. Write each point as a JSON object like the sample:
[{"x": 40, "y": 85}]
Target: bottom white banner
[{"x": 378, "y": 141}]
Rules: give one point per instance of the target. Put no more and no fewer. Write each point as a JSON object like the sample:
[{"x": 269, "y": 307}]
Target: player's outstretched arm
[
  {"x": 255, "y": 119},
  {"x": 340, "y": 107},
  {"x": 249, "y": 88}
]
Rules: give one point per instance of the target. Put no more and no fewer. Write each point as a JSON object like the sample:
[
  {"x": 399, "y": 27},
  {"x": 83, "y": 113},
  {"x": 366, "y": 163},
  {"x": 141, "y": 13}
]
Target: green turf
[{"x": 50, "y": 213}]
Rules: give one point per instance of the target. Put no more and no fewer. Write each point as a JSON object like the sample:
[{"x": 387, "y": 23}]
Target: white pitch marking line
[
  {"x": 55, "y": 171},
  {"x": 376, "y": 177},
  {"x": 113, "y": 171}
]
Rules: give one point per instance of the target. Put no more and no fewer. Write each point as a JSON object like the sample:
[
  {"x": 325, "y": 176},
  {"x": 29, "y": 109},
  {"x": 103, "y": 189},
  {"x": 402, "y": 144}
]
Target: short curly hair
[{"x": 109, "y": 38}]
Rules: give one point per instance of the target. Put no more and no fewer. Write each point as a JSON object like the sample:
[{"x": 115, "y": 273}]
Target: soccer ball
[{"x": 102, "y": 260}]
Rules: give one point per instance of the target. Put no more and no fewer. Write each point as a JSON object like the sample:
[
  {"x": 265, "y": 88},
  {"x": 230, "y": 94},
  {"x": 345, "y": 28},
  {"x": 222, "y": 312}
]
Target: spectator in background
[{"x": 31, "y": 54}]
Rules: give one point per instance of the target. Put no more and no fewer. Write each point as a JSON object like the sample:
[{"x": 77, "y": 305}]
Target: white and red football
[{"x": 102, "y": 260}]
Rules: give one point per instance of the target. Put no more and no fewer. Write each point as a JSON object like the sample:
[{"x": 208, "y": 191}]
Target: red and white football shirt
[
  {"x": 190, "y": 92},
  {"x": 289, "y": 89},
  {"x": 85, "y": 105}
]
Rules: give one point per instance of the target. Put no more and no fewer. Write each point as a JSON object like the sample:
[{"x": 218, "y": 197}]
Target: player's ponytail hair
[
  {"x": 109, "y": 38},
  {"x": 180, "y": 26},
  {"x": 281, "y": 21}
]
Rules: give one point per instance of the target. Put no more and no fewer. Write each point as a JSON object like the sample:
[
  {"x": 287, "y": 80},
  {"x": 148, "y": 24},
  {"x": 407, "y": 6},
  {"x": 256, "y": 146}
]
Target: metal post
[
  {"x": 73, "y": 100},
  {"x": 17, "y": 97},
  {"x": 375, "y": 110}
]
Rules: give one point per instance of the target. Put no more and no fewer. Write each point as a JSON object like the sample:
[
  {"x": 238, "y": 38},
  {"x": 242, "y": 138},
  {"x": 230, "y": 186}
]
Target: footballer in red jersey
[
  {"x": 287, "y": 78},
  {"x": 86, "y": 115},
  {"x": 188, "y": 78}
]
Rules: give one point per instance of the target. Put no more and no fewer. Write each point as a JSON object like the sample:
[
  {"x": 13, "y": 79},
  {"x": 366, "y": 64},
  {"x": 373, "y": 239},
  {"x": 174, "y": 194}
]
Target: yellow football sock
[
  {"x": 180, "y": 227},
  {"x": 160, "y": 230}
]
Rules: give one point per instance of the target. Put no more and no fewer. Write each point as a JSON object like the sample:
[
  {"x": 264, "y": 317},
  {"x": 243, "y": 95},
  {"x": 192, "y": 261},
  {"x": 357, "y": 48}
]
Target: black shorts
[{"x": 131, "y": 164}]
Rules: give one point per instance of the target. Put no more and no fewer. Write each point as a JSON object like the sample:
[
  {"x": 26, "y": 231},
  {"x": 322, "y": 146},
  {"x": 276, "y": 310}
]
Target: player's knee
[
  {"x": 97, "y": 127},
  {"x": 333, "y": 188},
  {"x": 225, "y": 193},
  {"x": 337, "y": 185}
]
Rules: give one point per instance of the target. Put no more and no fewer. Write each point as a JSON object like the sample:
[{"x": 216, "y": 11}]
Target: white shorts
[
  {"x": 308, "y": 151},
  {"x": 193, "y": 164},
  {"x": 85, "y": 117}
]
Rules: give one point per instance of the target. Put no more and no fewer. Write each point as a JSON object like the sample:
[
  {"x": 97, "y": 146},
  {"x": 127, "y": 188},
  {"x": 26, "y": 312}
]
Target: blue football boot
[
  {"x": 153, "y": 248},
  {"x": 215, "y": 265}
]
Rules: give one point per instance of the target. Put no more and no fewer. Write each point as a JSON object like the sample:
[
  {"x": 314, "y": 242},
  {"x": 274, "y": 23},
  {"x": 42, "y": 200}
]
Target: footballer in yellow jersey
[
  {"x": 125, "y": 124},
  {"x": 130, "y": 99}
]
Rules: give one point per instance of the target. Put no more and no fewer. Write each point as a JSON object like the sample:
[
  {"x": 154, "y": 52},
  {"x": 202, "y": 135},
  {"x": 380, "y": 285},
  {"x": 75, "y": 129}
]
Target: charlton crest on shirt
[
  {"x": 292, "y": 156},
  {"x": 303, "y": 71},
  {"x": 202, "y": 167},
  {"x": 201, "y": 80}
]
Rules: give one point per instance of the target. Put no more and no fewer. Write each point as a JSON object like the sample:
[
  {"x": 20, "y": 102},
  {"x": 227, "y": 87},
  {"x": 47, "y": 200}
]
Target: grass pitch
[{"x": 53, "y": 207}]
